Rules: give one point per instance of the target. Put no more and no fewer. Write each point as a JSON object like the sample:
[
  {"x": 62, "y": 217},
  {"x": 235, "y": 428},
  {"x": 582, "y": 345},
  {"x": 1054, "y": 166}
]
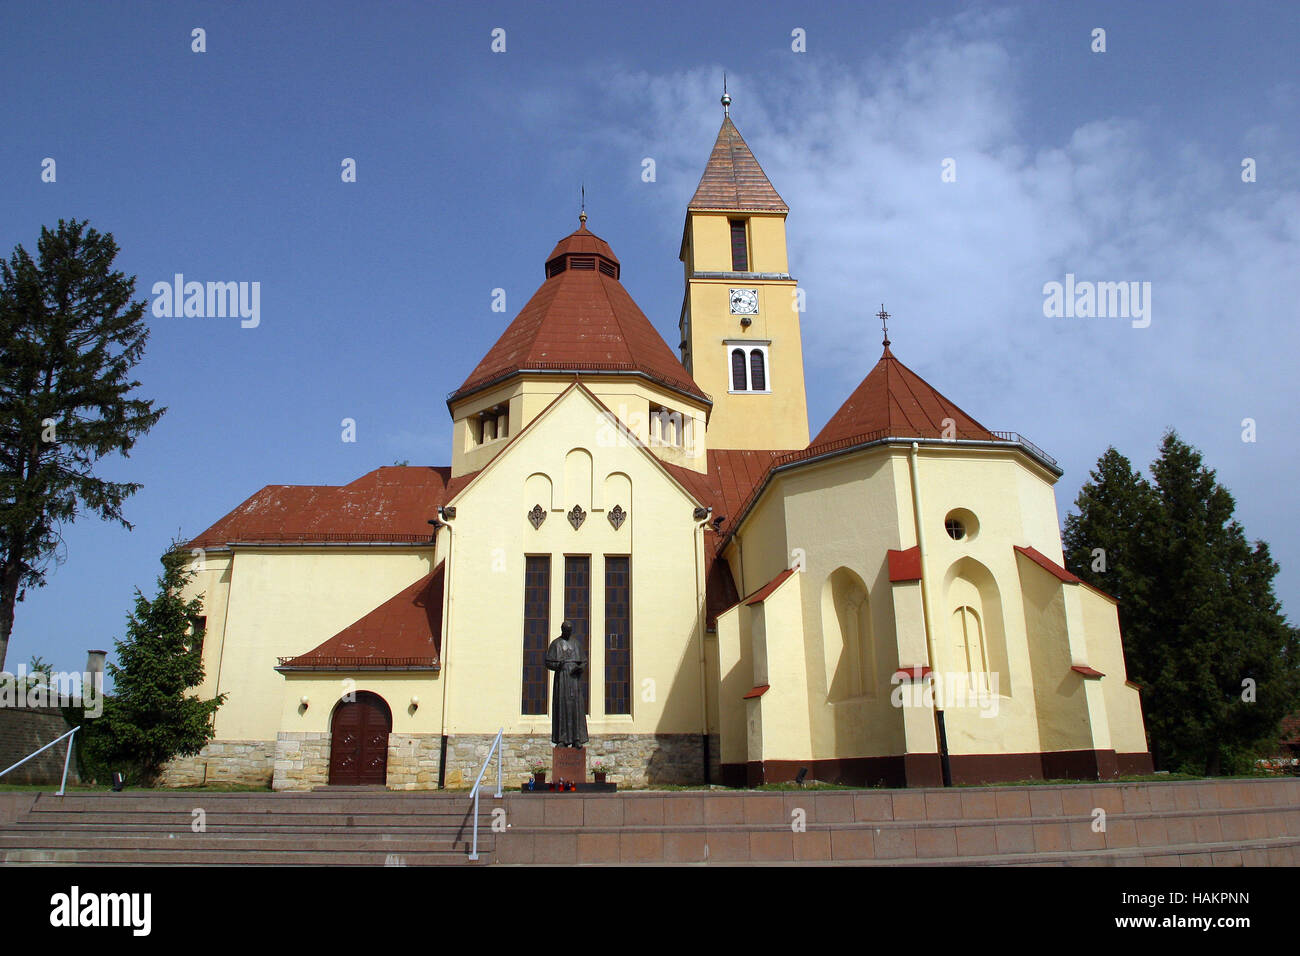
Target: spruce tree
[
  {"x": 71, "y": 337},
  {"x": 151, "y": 717},
  {"x": 1203, "y": 632},
  {"x": 1108, "y": 542}
]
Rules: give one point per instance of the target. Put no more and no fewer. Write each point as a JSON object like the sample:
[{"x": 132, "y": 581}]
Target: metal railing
[
  {"x": 496, "y": 749},
  {"x": 66, "y": 759}
]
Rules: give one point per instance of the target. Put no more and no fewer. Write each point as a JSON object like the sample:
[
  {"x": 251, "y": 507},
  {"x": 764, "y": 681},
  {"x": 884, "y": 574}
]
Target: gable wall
[{"x": 492, "y": 534}]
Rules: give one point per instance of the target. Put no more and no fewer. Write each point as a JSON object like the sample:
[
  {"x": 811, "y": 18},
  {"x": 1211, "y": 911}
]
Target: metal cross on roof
[{"x": 884, "y": 327}]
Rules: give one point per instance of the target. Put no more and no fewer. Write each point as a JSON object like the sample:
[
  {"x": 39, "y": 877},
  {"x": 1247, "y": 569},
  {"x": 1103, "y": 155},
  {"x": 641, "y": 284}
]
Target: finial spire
[
  {"x": 884, "y": 326},
  {"x": 582, "y": 213},
  {"x": 726, "y": 97}
]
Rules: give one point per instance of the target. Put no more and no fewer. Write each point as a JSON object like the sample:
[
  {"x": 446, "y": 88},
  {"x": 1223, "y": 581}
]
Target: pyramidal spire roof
[
  {"x": 894, "y": 401},
  {"x": 581, "y": 319},
  {"x": 733, "y": 180}
]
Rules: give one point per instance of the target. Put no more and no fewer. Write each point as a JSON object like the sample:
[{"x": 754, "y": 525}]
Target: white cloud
[{"x": 855, "y": 149}]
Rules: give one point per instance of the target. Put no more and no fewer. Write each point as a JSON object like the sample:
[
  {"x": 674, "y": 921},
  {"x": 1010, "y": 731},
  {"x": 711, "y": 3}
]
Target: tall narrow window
[
  {"x": 738, "y": 370},
  {"x": 748, "y": 365},
  {"x": 577, "y": 610},
  {"x": 968, "y": 640},
  {"x": 196, "y": 640},
  {"x": 739, "y": 249},
  {"x": 537, "y": 626},
  {"x": 618, "y": 635},
  {"x": 757, "y": 371}
]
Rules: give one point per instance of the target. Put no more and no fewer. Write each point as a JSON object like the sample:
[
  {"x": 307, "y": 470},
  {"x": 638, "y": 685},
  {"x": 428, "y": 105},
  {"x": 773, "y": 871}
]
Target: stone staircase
[
  {"x": 1193, "y": 823},
  {"x": 322, "y": 828}
]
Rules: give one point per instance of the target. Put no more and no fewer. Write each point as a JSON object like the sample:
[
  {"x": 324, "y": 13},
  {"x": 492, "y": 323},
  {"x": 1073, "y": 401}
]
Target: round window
[{"x": 961, "y": 525}]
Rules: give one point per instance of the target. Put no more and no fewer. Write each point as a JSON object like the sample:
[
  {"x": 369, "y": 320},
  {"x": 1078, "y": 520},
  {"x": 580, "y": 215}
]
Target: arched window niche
[
  {"x": 847, "y": 638},
  {"x": 973, "y": 643}
]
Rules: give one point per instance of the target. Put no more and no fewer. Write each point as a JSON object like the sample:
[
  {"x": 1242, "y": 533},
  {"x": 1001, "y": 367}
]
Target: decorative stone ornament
[
  {"x": 617, "y": 516},
  {"x": 537, "y": 516},
  {"x": 577, "y": 516}
]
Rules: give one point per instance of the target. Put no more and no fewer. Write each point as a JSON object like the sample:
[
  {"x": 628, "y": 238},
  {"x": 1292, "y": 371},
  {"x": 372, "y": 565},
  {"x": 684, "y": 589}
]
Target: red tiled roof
[
  {"x": 581, "y": 319},
  {"x": 895, "y": 401},
  {"x": 582, "y": 242},
  {"x": 732, "y": 475},
  {"x": 733, "y": 179},
  {"x": 765, "y": 592},
  {"x": 404, "y": 631},
  {"x": 1048, "y": 565},
  {"x": 389, "y": 504}
]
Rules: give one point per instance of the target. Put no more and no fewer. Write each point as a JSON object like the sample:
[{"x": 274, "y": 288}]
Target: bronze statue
[{"x": 568, "y": 705}]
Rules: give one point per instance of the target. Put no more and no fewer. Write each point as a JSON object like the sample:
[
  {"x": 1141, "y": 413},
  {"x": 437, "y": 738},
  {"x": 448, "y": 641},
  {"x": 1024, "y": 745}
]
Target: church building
[{"x": 881, "y": 603}]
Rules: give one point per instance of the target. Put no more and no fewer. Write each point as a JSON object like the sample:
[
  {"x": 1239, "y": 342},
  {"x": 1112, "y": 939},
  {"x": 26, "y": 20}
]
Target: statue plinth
[{"x": 569, "y": 763}]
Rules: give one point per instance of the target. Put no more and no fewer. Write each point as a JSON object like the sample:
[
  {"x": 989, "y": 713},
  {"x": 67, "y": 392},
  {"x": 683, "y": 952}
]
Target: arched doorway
[{"x": 359, "y": 741}]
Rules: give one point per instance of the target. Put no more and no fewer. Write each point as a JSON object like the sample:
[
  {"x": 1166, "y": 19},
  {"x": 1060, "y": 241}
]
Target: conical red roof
[
  {"x": 581, "y": 319},
  {"x": 894, "y": 401},
  {"x": 733, "y": 179}
]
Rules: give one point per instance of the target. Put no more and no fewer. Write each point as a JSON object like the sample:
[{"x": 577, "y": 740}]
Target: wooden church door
[{"x": 359, "y": 741}]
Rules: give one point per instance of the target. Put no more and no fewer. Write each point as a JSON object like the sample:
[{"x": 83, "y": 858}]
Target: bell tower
[{"x": 740, "y": 314}]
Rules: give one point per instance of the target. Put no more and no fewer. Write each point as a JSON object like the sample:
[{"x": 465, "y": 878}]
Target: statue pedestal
[{"x": 569, "y": 763}]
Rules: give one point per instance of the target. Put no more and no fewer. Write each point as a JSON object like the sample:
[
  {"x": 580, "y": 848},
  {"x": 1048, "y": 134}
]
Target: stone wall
[
  {"x": 638, "y": 760},
  {"x": 302, "y": 760},
  {"x": 245, "y": 762},
  {"x": 24, "y": 729},
  {"x": 413, "y": 761}
]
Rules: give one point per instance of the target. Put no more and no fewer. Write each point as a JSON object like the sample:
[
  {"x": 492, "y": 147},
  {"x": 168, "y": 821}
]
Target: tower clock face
[{"x": 744, "y": 302}]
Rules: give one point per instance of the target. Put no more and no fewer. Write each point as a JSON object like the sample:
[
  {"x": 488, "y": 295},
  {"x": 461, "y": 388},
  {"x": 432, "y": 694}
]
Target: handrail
[
  {"x": 66, "y": 759},
  {"x": 496, "y": 749}
]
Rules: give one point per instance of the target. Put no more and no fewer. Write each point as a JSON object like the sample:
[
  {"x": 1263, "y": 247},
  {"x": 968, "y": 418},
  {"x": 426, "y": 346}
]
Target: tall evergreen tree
[
  {"x": 71, "y": 337},
  {"x": 1203, "y": 631},
  {"x": 1108, "y": 542},
  {"x": 151, "y": 717}
]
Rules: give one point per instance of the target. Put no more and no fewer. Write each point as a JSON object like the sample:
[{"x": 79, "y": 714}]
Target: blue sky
[{"x": 376, "y": 295}]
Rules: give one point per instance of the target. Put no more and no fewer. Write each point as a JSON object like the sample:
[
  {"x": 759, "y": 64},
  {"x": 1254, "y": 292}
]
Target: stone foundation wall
[
  {"x": 413, "y": 761},
  {"x": 26, "y": 729},
  {"x": 247, "y": 762},
  {"x": 638, "y": 760},
  {"x": 302, "y": 760}
]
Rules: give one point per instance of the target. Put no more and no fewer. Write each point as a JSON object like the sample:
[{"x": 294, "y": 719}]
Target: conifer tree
[
  {"x": 151, "y": 717},
  {"x": 71, "y": 336},
  {"x": 1203, "y": 632}
]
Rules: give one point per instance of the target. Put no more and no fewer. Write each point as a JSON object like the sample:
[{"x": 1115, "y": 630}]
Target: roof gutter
[{"x": 231, "y": 545}]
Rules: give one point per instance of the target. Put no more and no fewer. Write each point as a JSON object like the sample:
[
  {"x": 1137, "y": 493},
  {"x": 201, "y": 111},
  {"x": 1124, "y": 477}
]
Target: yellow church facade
[{"x": 883, "y": 603}]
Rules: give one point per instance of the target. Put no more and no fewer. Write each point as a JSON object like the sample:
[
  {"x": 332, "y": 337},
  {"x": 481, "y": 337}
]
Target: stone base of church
[
  {"x": 302, "y": 760},
  {"x": 245, "y": 762},
  {"x": 926, "y": 770},
  {"x": 413, "y": 761},
  {"x": 638, "y": 760}
]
